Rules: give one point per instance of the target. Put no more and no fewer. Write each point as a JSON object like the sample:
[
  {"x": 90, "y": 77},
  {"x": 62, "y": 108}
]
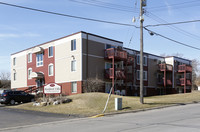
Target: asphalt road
[
  {"x": 185, "y": 118},
  {"x": 14, "y": 117}
]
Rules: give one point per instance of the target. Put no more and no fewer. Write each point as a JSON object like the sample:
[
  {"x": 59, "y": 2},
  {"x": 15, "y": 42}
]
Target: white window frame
[
  {"x": 72, "y": 87},
  {"x": 15, "y": 76},
  {"x": 50, "y": 50},
  {"x": 73, "y": 44},
  {"x": 29, "y": 73},
  {"x": 73, "y": 65},
  {"x": 14, "y": 61},
  {"x": 41, "y": 62},
  {"x": 49, "y": 69},
  {"x": 138, "y": 59},
  {"x": 145, "y": 75},
  {"x": 145, "y": 60},
  {"x": 29, "y": 57}
]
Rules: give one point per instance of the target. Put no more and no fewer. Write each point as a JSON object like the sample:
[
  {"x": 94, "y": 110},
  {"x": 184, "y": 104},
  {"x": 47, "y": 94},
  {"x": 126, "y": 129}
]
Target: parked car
[{"x": 10, "y": 97}]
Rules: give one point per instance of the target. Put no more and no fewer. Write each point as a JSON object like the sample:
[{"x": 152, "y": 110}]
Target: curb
[{"x": 147, "y": 109}]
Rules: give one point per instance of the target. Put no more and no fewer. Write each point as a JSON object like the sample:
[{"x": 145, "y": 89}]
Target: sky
[{"x": 21, "y": 28}]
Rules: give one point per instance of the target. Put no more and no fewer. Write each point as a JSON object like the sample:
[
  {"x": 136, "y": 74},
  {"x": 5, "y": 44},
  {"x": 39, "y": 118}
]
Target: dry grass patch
[{"x": 93, "y": 103}]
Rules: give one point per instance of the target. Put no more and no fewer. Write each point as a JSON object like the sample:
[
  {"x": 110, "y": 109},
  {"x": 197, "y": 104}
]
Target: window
[
  {"x": 138, "y": 74},
  {"x": 14, "y": 76},
  {"x": 39, "y": 59},
  {"x": 144, "y": 75},
  {"x": 73, "y": 44},
  {"x": 51, "y": 51},
  {"x": 29, "y": 57},
  {"x": 144, "y": 60},
  {"x": 50, "y": 69},
  {"x": 74, "y": 87},
  {"x": 73, "y": 65},
  {"x": 14, "y": 61},
  {"x": 29, "y": 73},
  {"x": 138, "y": 59}
]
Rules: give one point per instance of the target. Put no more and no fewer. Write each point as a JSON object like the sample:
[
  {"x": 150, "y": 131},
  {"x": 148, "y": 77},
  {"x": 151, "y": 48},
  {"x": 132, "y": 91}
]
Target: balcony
[
  {"x": 119, "y": 74},
  {"x": 161, "y": 82},
  {"x": 181, "y": 82},
  {"x": 117, "y": 54},
  {"x": 184, "y": 68},
  {"x": 164, "y": 67},
  {"x": 130, "y": 60},
  {"x": 169, "y": 82}
]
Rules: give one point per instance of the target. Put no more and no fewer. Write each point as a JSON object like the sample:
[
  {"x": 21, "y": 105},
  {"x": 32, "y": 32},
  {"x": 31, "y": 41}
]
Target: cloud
[
  {"x": 15, "y": 35},
  {"x": 169, "y": 8}
]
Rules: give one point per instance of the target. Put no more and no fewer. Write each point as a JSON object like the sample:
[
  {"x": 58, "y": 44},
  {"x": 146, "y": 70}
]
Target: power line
[
  {"x": 175, "y": 23},
  {"x": 103, "y": 6},
  {"x": 160, "y": 20},
  {"x": 66, "y": 15},
  {"x": 182, "y": 3},
  {"x": 180, "y": 43}
]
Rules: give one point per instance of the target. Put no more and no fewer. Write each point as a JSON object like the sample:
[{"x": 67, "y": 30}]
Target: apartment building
[{"x": 71, "y": 60}]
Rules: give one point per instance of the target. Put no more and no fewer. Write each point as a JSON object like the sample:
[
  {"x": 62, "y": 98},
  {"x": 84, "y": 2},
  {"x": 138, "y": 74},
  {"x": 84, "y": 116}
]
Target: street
[
  {"x": 13, "y": 117},
  {"x": 173, "y": 119}
]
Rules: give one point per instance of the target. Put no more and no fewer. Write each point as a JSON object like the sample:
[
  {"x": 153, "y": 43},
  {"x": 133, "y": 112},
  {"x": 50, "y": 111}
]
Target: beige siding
[
  {"x": 63, "y": 58},
  {"x": 21, "y": 71}
]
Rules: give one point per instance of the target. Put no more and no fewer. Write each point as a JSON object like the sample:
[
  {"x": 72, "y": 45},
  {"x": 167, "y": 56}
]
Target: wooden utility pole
[{"x": 141, "y": 51}]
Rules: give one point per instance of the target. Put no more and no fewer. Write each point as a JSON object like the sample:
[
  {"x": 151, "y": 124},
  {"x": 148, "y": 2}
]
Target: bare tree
[
  {"x": 5, "y": 80},
  {"x": 93, "y": 85},
  {"x": 195, "y": 72}
]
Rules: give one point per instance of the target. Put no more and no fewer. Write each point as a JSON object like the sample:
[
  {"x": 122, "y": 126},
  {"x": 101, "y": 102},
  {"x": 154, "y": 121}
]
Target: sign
[{"x": 52, "y": 88}]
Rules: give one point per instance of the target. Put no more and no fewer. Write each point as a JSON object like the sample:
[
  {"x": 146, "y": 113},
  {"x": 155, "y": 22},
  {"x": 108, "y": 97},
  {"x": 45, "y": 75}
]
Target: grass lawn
[{"x": 88, "y": 104}]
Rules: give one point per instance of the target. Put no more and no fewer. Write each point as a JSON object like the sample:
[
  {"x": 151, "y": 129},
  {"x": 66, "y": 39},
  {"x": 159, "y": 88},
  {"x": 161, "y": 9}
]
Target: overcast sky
[{"x": 21, "y": 29}]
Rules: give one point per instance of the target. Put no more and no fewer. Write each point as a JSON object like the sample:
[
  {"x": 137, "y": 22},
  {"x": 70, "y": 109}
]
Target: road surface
[{"x": 185, "y": 118}]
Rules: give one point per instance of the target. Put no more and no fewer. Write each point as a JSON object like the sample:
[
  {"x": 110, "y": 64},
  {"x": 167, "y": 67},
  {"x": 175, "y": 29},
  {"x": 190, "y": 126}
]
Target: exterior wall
[
  {"x": 67, "y": 88},
  {"x": 93, "y": 59},
  {"x": 63, "y": 59},
  {"x": 20, "y": 69},
  {"x": 44, "y": 69},
  {"x": 152, "y": 72}
]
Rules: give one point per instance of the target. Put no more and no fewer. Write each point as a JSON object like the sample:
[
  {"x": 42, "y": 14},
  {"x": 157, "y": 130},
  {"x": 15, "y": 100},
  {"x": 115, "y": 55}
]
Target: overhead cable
[
  {"x": 66, "y": 15},
  {"x": 180, "y": 43}
]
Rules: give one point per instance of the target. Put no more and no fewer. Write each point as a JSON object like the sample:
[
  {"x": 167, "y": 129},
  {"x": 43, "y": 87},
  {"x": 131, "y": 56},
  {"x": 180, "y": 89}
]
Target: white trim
[
  {"x": 72, "y": 87},
  {"x": 40, "y": 61},
  {"x": 51, "y": 64},
  {"x": 29, "y": 76},
  {"x": 31, "y": 57},
  {"x": 75, "y": 67},
  {"x": 48, "y": 51}
]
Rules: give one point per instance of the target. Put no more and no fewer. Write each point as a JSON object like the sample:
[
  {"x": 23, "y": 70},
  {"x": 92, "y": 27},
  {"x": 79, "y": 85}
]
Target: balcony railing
[
  {"x": 119, "y": 74},
  {"x": 164, "y": 66},
  {"x": 184, "y": 68},
  {"x": 161, "y": 82},
  {"x": 116, "y": 53},
  {"x": 169, "y": 82},
  {"x": 181, "y": 82}
]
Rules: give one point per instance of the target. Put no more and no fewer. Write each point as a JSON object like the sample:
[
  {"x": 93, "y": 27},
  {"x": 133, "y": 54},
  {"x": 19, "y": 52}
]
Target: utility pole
[{"x": 142, "y": 3}]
